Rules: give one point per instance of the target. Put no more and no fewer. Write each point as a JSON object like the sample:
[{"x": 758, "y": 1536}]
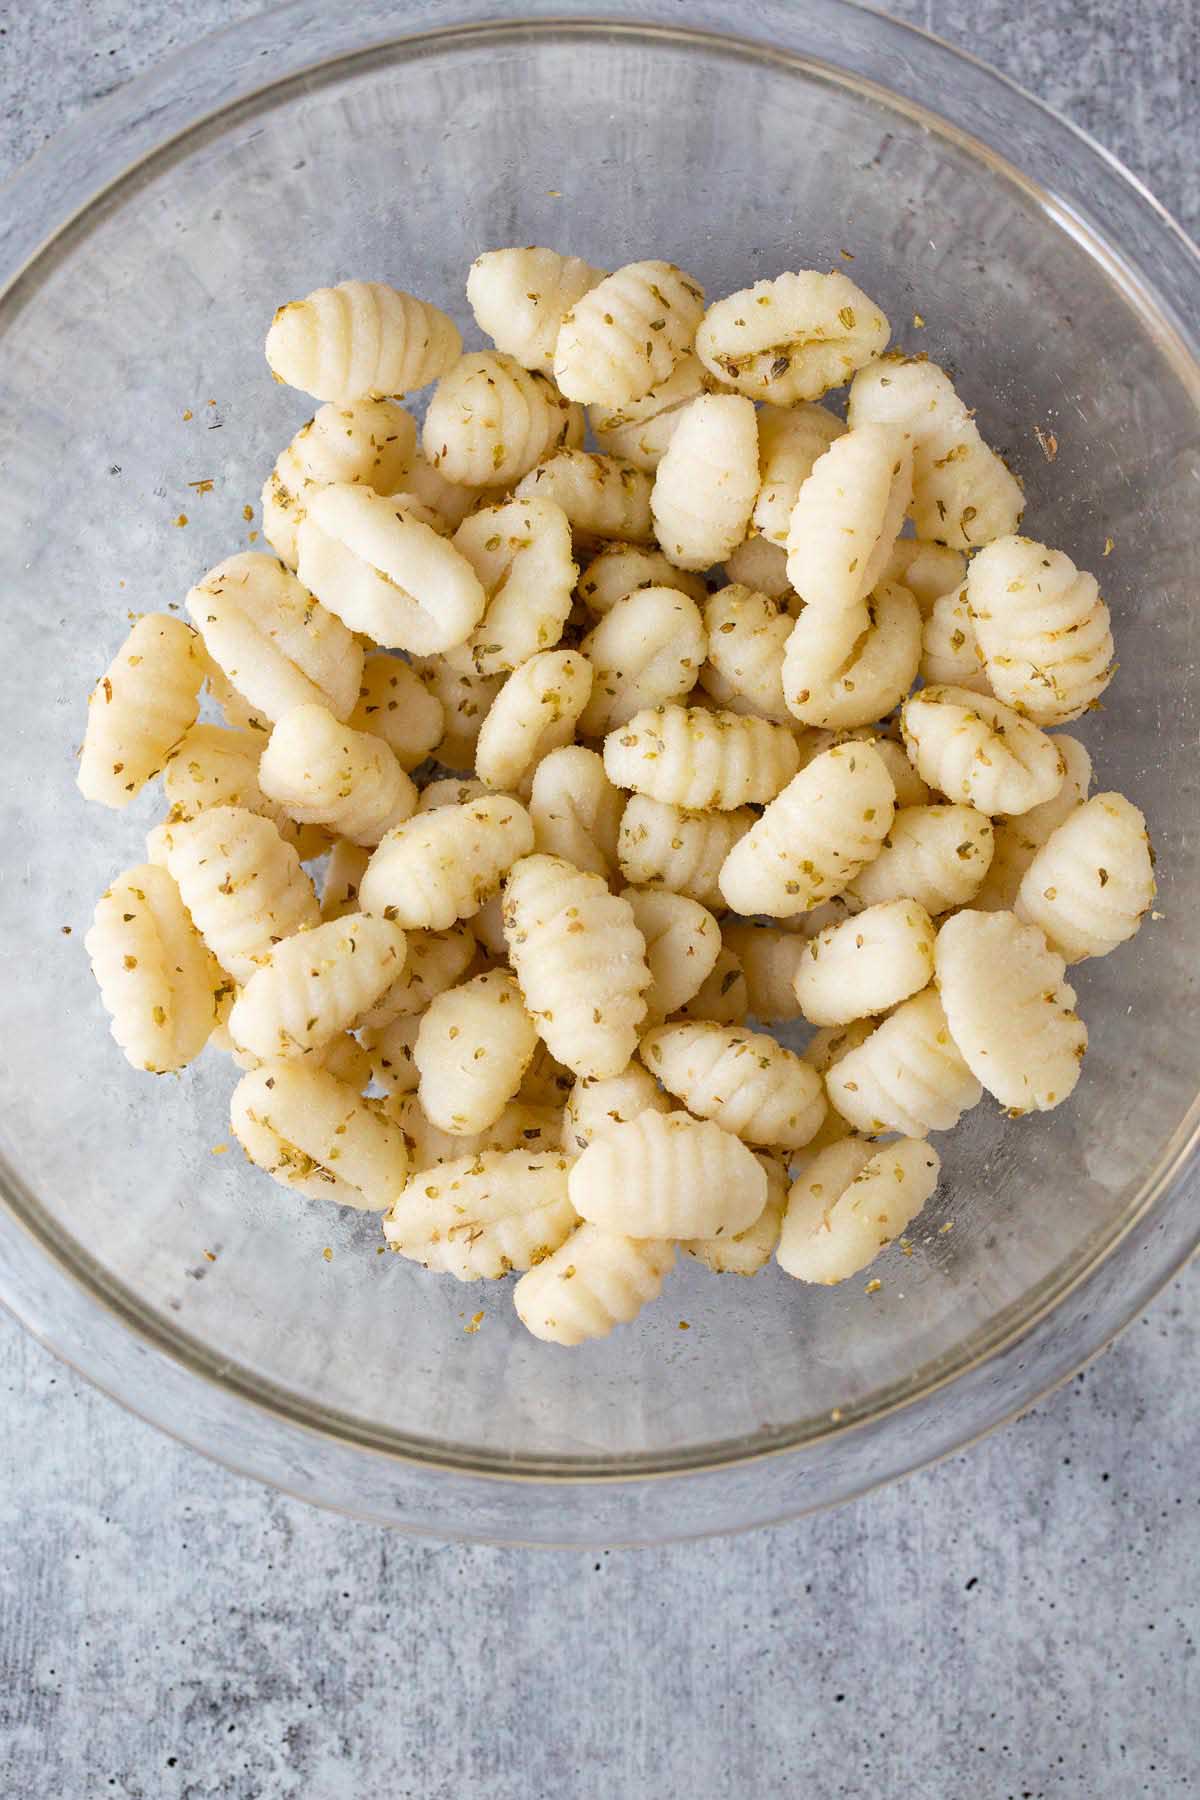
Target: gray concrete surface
[{"x": 1017, "y": 1623}]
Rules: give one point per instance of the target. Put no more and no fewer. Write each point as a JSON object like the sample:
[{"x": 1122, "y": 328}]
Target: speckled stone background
[{"x": 1017, "y": 1623}]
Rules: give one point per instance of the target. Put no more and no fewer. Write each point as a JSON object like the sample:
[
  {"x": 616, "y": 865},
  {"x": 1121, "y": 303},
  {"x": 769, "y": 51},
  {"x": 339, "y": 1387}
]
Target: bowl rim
[{"x": 138, "y": 128}]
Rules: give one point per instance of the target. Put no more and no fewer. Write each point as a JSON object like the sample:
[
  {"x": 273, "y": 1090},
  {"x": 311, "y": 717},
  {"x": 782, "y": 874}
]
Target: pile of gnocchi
[{"x": 613, "y": 759}]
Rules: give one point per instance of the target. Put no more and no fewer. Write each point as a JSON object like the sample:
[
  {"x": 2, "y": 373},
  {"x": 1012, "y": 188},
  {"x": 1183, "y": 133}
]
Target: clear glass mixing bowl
[{"x": 144, "y": 252}]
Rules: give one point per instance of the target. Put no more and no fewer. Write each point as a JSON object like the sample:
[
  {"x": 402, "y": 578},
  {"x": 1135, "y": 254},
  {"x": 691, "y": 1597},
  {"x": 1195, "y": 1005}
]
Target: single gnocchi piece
[
  {"x": 1017, "y": 841},
  {"x": 847, "y": 517},
  {"x": 162, "y": 988},
  {"x": 594, "y": 1107},
  {"x": 535, "y": 712},
  {"x": 465, "y": 697},
  {"x": 521, "y": 552},
  {"x": 324, "y": 773},
  {"x": 679, "y": 850},
  {"x": 472, "y": 1050},
  {"x": 361, "y": 337},
  {"x": 1042, "y": 629},
  {"x": 490, "y": 420},
  {"x": 580, "y": 961},
  {"x": 521, "y": 296},
  {"x": 595, "y": 1280},
  {"x": 907, "y": 1076},
  {"x": 315, "y": 986},
  {"x": 641, "y": 430},
  {"x": 387, "y": 574},
  {"x": 744, "y": 1080},
  {"x": 769, "y": 959},
  {"x": 975, "y": 749},
  {"x": 317, "y": 1135},
  {"x": 849, "y": 666},
  {"x": 759, "y": 564},
  {"x": 1010, "y": 1011},
  {"x": 791, "y": 440},
  {"x": 750, "y": 1250},
  {"x": 277, "y": 645},
  {"x": 701, "y": 761},
  {"x": 812, "y": 840},
  {"x": 926, "y": 569},
  {"x": 666, "y": 1175},
  {"x": 140, "y": 708},
  {"x": 619, "y": 569},
  {"x": 395, "y": 706},
  {"x": 849, "y": 1202},
  {"x": 481, "y": 1216},
  {"x": 646, "y": 650},
  {"x": 792, "y": 338},
  {"x": 625, "y": 335},
  {"x": 370, "y": 441},
  {"x": 707, "y": 481},
  {"x": 441, "y": 866},
  {"x": 950, "y": 653},
  {"x": 602, "y": 496},
  {"x": 867, "y": 964},
  {"x": 243, "y": 886},
  {"x": 747, "y": 634},
  {"x": 576, "y": 810},
  {"x": 1092, "y": 881},
  {"x": 963, "y": 495},
  {"x": 935, "y": 855},
  {"x": 683, "y": 942}
]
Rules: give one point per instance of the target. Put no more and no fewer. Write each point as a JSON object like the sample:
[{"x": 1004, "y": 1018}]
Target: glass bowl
[{"x": 143, "y": 253}]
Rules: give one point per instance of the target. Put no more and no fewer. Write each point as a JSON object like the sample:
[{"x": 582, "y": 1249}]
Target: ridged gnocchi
[
  {"x": 747, "y": 635},
  {"x": 679, "y": 850},
  {"x": 702, "y": 761},
  {"x": 1092, "y": 881},
  {"x": 602, "y": 496},
  {"x": 317, "y": 1135},
  {"x": 360, "y": 338},
  {"x": 385, "y": 573},
  {"x": 535, "y": 712},
  {"x": 316, "y": 985},
  {"x": 521, "y": 296},
  {"x": 162, "y": 988},
  {"x": 243, "y": 886},
  {"x": 973, "y": 748},
  {"x": 441, "y": 866},
  {"x": 907, "y": 1076},
  {"x": 580, "y": 961},
  {"x": 473, "y": 1047},
  {"x": 593, "y": 1281},
  {"x": 792, "y": 338},
  {"x": 140, "y": 709},
  {"x": 521, "y": 552},
  {"x": 646, "y": 650},
  {"x": 707, "y": 481},
  {"x": 489, "y": 420},
  {"x": 481, "y": 1216},
  {"x": 625, "y": 335},
  {"x": 1010, "y": 1011},
  {"x": 814, "y": 837},
  {"x": 576, "y": 810},
  {"x": 847, "y": 517},
  {"x": 849, "y": 1202},
  {"x": 666, "y": 1175},
  {"x": 848, "y": 666},
  {"x": 744, "y": 1080},
  {"x": 1042, "y": 630},
  {"x": 866, "y": 964},
  {"x": 324, "y": 773}
]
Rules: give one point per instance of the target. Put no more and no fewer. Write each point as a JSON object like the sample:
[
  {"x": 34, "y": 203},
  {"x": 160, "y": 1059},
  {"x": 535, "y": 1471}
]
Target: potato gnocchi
[{"x": 596, "y": 695}]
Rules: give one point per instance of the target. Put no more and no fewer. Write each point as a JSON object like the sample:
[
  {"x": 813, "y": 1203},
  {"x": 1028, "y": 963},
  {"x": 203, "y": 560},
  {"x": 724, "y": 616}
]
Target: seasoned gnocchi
[{"x": 559, "y": 963}]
